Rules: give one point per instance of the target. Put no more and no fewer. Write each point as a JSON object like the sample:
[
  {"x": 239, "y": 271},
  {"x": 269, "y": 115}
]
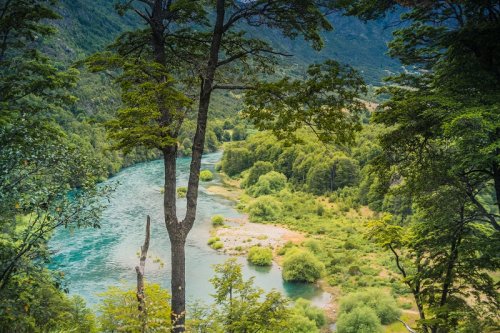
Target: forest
[{"x": 250, "y": 166}]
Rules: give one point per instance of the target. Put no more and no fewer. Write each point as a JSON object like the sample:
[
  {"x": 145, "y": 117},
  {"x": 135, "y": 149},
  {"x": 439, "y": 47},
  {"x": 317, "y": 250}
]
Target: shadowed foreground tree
[
  {"x": 182, "y": 47},
  {"x": 442, "y": 150},
  {"x": 47, "y": 178}
]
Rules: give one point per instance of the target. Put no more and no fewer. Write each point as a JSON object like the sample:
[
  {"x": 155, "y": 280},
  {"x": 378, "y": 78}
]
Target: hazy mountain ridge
[{"x": 88, "y": 26}]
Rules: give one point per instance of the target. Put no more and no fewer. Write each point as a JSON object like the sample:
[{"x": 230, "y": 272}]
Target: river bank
[{"x": 239, "y": 235}]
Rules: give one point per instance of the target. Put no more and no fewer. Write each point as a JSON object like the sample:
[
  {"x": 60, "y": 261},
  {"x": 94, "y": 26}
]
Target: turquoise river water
[{"x": 95, "y": 259}]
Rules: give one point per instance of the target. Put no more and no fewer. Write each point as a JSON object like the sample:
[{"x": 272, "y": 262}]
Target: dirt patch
[
  {"x": 238, "y": 239},
  {"x": 231, "y": 193}
]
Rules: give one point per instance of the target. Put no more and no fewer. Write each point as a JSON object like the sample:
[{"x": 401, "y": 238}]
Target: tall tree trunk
[
  {"x": 201, "y": 124},
  {"x": 178, "y": 284},
  {"x": 179, "y": 233},
  {"x": 177, "y": 238}
]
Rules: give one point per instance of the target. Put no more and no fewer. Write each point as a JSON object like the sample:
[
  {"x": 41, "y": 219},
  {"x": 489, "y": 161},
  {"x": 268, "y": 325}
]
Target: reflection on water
[{"x": 94, "y": 259}]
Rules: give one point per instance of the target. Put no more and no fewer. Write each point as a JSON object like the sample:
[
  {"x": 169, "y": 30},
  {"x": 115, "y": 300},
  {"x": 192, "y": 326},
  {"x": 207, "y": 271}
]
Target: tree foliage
[
  {"x": 119, "y": 312},
  {"x": 327, "y": 102},
  {"x": 302, "y": 266},
  {"x": 47, "y": 177}
]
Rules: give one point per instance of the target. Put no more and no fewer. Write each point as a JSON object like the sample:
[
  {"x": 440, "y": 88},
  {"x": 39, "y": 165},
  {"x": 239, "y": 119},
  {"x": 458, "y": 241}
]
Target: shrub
[
  {"x": 264, "y": 208},
  {"x": 302, "y": 266},
  {"x": 181, "y": 192},
  {"x": 271, "y": 182},
  {"x": 288, "y": 245},
  {"x": 206, "y": 175},
  {"x": 354, "y": 270},
  {"x": 260, "y": 256},
  {"x": 212, "y": 240},
  {"x": 349, "y": 245},
  {"x": 217, "y": 245},
  {"x": 360, "y": 320},
  {"x": 383, "y": 305},
  {"x": 312, "y": 312},
  {"x": 217, "y": 220},
  {"x": 260, "y": 168},
  {"x": 313, "y": 245}
]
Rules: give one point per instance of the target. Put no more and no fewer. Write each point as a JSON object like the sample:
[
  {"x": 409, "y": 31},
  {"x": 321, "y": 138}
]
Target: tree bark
[
  {"x": 178, "y": 283},
  {"x": 201, "y": 124},
  {"x": 141, "y": 297}
]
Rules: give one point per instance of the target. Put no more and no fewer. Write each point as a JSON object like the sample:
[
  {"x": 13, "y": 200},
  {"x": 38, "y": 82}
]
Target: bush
[
  {"x": 217, "y": 220},
  {"x": 302, "y": 266},
  {"x": 260, "y": 256},
  {"x": 383, "y": 305},
  {"x": 360, "y": 320},
  {"x": 206, "y": 175},
  {"x": 315, "y": 314},
  {"x": 271, "y": 182},
  {"x": 212, "y": 240},
  {"x": 264, "y": 208},
  {"x": 349, "y": 245},
  {"x": 313, "y": 245},
  {"x": 181, "y": 192},
  {"x": 217, "y": 245},
  {"x": 260, "y": 168},
  {"x": 354, "y": 270},
  {"x": 288, "y": 245}
]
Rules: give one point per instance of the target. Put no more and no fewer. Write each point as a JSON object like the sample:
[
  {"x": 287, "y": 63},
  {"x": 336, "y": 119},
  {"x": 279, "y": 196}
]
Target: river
[{"x": 94, "y": 259}]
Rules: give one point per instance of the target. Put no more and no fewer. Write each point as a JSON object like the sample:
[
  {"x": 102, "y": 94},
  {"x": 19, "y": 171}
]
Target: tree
[
  {"x": 119, "y": 312},
  {"x": 47, "y": 179},
  {"x": 453, "y": 92},
  {"x": 441, "y": 151},
  {"x": 241, "y": 307},
  {"x": 327, "y": 102},
  {"x": 258, "y": 169},
  {"x": 271, "y": 182},
  {"x": 331, "y": 174},
  {"x": 360, "y": 320},
  {"x": 236, "y": 160},
  {"x": 222, "y": 57},
  {"x": 303, "y": 266}
]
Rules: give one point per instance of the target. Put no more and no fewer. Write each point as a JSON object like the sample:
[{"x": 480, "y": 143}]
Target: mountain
[{"x": 88, "y": 26}]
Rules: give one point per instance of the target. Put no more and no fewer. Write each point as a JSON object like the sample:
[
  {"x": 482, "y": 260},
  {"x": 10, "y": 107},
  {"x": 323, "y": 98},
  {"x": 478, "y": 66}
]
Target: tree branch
[
  {"x": 252, "y": 51},
  {"x": 232, "y": 87},
  {"x": 140, "y": 277},
  {"x": 407, "y": 326}
]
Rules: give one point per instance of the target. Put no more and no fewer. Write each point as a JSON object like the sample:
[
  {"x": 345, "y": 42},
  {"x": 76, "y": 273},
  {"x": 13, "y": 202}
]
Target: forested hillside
[{"x": 89, "y": 26}]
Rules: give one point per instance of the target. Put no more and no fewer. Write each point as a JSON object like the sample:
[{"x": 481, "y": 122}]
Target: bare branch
[
  {"x": 232, "y": 87},
  {"x": 407, "y": 326},
  {"x": 140, "y": 277}
]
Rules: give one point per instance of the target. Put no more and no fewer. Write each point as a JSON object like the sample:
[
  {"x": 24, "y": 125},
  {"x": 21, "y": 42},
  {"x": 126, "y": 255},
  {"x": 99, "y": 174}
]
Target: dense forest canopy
[{"x": 366, "y": 134}]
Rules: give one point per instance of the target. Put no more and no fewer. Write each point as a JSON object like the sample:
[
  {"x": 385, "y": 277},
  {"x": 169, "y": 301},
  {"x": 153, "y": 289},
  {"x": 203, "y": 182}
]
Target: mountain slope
[{"x": 88, "y": 26}]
